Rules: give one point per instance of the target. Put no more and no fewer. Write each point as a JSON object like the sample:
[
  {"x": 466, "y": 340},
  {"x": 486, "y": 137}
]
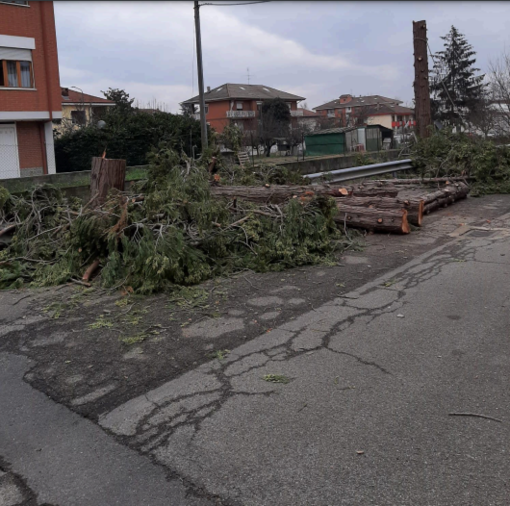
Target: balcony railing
[
  {"x": 296, "y": 113},
  {"x": 196, "y": 115},
  {"x": 240, "y": 114}
]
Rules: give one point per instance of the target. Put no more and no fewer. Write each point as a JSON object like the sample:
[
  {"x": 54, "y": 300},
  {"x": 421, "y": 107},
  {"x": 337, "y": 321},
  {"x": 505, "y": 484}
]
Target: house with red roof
[
  {"x": 350, "y": 110},
  {"x": 80, "y": 109}
]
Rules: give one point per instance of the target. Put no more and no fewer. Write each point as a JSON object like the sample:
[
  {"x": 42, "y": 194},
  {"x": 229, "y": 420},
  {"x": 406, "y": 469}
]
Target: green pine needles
[{"x": 169, "y": 232}]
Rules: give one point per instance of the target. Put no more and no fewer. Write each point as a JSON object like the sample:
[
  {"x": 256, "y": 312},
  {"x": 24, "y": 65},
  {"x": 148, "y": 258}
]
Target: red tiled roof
[
  {"x": 74, "y": 97},
  {"x": 361, "y": 101},
  {"x": 308, "y": 113},
  {"x": 243, "y": 91}
]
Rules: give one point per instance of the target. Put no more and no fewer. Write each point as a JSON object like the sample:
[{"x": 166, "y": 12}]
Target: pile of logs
[{"x": 374, "y": 205}]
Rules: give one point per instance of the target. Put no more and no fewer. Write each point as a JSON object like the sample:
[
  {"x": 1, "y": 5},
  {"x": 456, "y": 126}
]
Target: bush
[
  {"x": 127, "y": 135},
  {"x": 455, "y": 154}
]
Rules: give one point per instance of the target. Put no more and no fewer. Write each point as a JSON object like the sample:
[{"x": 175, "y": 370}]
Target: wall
[
  {"x": 36, "y": 21},
  {"x": 71, "y": 183},
  {"x": 217, "y": 115},
  {"x": 325, "y": 164},
  {"x": 383, "y": 119},
  {"x": 30, "y": 147}
]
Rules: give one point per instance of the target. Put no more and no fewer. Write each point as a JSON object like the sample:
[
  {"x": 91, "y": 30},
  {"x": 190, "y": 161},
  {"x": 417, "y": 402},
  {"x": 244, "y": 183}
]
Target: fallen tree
[
  {"x": 426, "y": 180},
  {"x": 413, "y": 206},
  {"x": 276, "y": 194},
  {"x": 390, "y": 221},
  {"x": 177, "y": 234},
  {"x": 445, "y": 196}
]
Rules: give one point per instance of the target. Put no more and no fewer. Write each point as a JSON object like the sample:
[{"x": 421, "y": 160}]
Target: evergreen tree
[
  {"x": 274, "y": 122},
  {"x": 456, "y": 89}
]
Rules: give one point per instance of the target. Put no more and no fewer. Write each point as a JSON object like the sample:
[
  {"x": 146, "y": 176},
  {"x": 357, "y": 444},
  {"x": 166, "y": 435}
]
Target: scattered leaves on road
[{"x": 276, "y": 378}]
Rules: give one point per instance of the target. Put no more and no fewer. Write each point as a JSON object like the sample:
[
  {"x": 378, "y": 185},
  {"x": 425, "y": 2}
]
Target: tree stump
[{"x": 105, "y": 175}]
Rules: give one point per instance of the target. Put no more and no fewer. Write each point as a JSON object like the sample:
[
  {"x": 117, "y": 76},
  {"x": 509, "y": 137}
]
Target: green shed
[
  {"x": 332, "y": 141},
  {"x": 338, "y": 141}
]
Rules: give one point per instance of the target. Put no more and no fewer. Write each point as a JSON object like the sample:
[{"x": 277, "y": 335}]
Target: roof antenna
[{"x": 248, "y": 73}]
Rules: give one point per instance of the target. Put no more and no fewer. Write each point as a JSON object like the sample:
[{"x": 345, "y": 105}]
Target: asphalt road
[{"x": 394, "y": 394}]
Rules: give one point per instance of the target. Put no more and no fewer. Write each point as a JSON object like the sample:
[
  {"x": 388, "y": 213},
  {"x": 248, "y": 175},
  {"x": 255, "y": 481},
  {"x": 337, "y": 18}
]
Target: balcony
[
  {"x": 296, "y": 113},
  {"x": 240, "y": 114}
]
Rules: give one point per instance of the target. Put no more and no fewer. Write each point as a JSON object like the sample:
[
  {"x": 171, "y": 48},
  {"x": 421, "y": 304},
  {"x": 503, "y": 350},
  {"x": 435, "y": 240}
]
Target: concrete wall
[
  {"x": 76, "y": 184},
  {"x": 326, "y": 163}
]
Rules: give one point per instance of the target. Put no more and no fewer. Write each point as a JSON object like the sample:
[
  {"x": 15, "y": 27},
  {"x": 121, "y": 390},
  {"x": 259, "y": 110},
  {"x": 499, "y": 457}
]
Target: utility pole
[
  {"x": 203, "y": 122},
  {"x": 421, "y": 79}
]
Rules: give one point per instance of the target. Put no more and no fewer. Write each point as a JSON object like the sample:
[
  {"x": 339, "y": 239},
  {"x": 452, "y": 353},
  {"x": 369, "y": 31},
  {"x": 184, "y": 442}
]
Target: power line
[{"x": 245, "y": 3}]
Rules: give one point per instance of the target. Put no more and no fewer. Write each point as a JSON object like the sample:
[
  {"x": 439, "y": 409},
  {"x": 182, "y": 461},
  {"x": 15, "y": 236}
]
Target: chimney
[
  {"x": 65, "y": 92},
  {"x": 208, "y": 89},
  {"x": 344, "y": 99}
]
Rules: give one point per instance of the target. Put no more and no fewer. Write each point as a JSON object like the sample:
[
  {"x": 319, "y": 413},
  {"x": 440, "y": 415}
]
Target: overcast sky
[{"x": 318, "y": 50}]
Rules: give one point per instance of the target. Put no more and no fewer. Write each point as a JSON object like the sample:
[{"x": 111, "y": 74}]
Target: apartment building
[{"x": 30, "y": 96}]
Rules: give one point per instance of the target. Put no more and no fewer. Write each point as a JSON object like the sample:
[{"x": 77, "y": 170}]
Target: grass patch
[
  {"x": 101, "y": 323},
  {"x": 137, "y": 338},
  {"x": 276, "y": 378},
  {"x": 220, "y": 354}
]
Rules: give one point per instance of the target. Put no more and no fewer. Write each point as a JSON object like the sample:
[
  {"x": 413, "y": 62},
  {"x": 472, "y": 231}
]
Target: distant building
[
  {"x": 239, "y": 104},
  {"x": 348, "y": 110},
  {"x": 307, "y": 119},
  {"x": 80, "y": 109},
  {"x": 29, "y": 88}
]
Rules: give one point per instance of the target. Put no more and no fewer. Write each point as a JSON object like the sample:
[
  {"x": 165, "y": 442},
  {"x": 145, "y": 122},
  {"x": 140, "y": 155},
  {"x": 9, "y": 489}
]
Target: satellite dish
[{"x": 101, "y": 124}]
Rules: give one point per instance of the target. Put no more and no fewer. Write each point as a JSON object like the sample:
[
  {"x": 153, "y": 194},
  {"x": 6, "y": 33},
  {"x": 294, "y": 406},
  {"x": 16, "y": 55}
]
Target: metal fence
[{"x": 336, "y": 176}]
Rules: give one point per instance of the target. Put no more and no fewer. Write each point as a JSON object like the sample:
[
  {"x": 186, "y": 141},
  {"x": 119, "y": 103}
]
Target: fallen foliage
[
  {"x": 177, "y": 234},
  {"x": 455, "y": 154}
]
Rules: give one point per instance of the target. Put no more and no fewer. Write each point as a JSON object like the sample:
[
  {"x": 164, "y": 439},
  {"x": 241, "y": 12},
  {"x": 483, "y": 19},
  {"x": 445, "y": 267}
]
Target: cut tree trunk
[
  {"x": 422, "y": 181},
  {"x": 105, "y": 175},
  {"x": 280, "y": 193},
  {"x": 389, "y": 221},
  {"x": 445, "y": 196},
  {"x": 413, "y": 206}
]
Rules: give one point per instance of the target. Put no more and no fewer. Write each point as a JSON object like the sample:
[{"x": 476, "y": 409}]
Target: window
[
  {"x": 349, "y": 109},
  {"x": 16, "y": 74},
  {"x": 239, "y": 106},
  {"x": 15, "y": 2},
  {"x": 78, "y": 117}
]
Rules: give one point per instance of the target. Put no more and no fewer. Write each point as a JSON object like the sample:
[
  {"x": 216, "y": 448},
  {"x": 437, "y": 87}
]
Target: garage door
[{"x": 9, "y": 161}]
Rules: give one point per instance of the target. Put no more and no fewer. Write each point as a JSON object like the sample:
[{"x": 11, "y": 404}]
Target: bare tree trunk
[
  {"x": 389, "y": 221},
  {"x": 413, "y": 206},
  {"x": 105, "y": 175},
  {"x": 280, "y": 193}
]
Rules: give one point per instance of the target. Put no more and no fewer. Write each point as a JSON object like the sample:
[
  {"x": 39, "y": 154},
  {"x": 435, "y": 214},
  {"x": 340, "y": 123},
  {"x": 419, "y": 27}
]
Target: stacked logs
[
  {"x": 445, "y": 196},
  {"x": 367, "y": 206},
  {"x": 372, "y": 206}
]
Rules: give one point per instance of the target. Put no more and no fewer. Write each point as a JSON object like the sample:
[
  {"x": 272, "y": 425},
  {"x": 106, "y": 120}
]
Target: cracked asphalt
[{"x": 395, "y": 365}]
